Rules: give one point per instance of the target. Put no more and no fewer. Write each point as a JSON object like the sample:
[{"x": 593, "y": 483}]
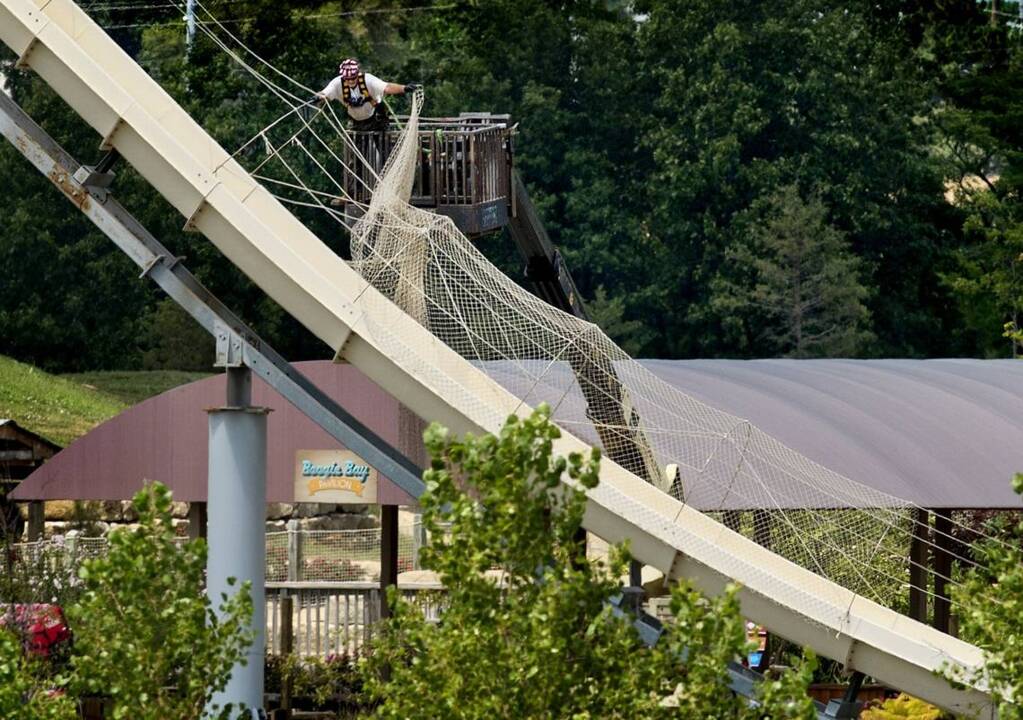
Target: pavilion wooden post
[
  {"x": 388, "y": 554},
  {"x": 942, "y": 564},
  {"x": 287, "y": 648},
  {"x": 36, "y": 520},
  {"x": 918, "y": 564},
  {"x": 196, "y": 520}
]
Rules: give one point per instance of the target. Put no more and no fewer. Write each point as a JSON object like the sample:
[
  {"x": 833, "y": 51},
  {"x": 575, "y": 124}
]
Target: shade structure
[
  {"x": 940, "y": 433},
  {"x": 165, "y": 438}
]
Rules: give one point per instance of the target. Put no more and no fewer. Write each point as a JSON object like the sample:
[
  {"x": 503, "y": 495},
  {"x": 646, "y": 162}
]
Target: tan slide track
[{"x": 218, "y": 198}]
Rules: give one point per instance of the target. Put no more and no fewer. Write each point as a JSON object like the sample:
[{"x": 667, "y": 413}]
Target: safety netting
[{"x": 717, "y": 463}]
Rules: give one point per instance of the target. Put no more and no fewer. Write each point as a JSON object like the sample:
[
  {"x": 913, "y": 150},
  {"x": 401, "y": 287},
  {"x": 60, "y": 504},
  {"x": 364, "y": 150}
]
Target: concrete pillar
[{"x": 236, "y": 535}]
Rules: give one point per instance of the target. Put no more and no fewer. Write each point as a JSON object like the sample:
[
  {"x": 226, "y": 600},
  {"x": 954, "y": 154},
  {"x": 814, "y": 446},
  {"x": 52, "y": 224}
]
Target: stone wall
[{"x": 97, "y": 518}]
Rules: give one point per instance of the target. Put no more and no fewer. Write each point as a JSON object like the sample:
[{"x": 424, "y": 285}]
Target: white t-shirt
[{"x": 335, "y": 91}]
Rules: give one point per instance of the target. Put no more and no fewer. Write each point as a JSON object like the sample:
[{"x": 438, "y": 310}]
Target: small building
[{"x": 22, "y": 452}]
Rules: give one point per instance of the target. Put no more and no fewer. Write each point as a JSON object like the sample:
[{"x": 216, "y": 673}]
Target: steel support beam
[
  {"x": 240, "y": 344},
  {"x": 237, "y": 542}
]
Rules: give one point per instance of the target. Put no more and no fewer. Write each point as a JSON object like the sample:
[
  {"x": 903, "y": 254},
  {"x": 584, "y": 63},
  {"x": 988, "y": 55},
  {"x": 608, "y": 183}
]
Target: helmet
[{"x": 349, "y": 69}]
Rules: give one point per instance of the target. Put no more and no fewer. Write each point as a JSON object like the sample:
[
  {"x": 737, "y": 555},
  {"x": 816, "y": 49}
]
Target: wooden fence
[{"x": 334, "y": 618}]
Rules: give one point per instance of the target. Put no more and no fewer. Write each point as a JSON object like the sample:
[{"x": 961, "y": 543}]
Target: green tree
[
  {"x": 802, "y": 295},
  {"x": 991, "y": 596},
  {"x": 747, "y": 97},
  {"x": 527, "y": 630},
  {"x": 146, "y": 635},
  {"x": 176, "y": 341},
  {"x": 975, "y": 64},
  {"x": 25, "y": 693}
]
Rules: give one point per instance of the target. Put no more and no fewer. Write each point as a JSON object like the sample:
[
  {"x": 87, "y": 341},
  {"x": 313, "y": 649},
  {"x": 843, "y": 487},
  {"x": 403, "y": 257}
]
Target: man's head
[{"x": 349, "y": 69}]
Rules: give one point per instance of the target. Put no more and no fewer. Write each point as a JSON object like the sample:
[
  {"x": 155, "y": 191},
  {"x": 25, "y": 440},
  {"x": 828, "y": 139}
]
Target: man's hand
[{"x": 412, "y": 87}]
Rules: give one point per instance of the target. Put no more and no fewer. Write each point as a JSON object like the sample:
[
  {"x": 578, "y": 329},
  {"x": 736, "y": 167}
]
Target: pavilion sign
[{"x": 334, "y": 476}]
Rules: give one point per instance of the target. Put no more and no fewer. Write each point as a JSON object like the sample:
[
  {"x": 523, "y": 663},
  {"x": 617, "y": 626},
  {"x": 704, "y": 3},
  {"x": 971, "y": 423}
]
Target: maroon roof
[{"x": 165, "y": 438}]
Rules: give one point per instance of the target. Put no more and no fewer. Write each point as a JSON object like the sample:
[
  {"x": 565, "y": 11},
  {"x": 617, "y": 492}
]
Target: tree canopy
[{"x": 653, "y": 135}]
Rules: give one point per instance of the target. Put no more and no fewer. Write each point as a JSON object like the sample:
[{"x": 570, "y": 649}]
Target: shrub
[
  {"x": 146, "y": 635},
  {"x": 540, "y": 639}
]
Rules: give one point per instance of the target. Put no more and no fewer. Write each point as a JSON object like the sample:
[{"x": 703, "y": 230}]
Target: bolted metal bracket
[
  {"x": 99, "y": 177},
  {"x": 848, "y": 708},
  {"x": 229, "y": 346}
]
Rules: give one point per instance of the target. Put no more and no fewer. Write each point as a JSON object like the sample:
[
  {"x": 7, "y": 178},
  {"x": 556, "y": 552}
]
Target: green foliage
[
  {"x": 903, "y": 706},
  {"x": 991, "y": 596},
  {"x": 609, "y": 314},
  {"x": 649, "y": 133},
  {"x": 51, "y": 406},
  {"x": 175, "y": 341},
  {"x": 527, "y": 631},
  {"x": 800, "y": 294},
  {"x": 332, "y": 682},
  {"x": 146, "y": 635},
  {"x": 25, "y": 692}
]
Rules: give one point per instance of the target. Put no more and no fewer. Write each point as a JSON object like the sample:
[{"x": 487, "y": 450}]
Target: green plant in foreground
[
  {"x": 146, "y": 635},
  {"x": 903, "y": 707},
  {"x": 23, "y": 692},
  {"x": 527, "y": 631},
  {"x": 991, "y": 597}
]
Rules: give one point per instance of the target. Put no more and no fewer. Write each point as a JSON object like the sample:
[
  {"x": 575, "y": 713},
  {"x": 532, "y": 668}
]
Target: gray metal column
[{"x": 236, "y": 511}]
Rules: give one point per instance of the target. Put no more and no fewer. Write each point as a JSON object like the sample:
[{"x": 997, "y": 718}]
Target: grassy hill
[
  {"x": 50, "y": 405},
  {"x": 64, "y": 407},
  {"x": 134, "y": 387}
]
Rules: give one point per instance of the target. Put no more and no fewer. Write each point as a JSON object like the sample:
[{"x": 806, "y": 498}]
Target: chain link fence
[{"x": 295, "y": 555}]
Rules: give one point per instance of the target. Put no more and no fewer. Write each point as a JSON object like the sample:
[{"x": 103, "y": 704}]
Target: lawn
[
  {"x": 134, "y": 387},
  {"x": 64, "y": 407},
  {"x": 55, "y": 407}
]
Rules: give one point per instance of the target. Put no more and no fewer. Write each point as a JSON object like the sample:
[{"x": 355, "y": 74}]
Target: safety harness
[{"x": 364, "y": 96}]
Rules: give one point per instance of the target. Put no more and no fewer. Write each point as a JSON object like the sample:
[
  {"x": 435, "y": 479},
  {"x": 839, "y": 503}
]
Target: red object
[{"x": 40, "y": 624}]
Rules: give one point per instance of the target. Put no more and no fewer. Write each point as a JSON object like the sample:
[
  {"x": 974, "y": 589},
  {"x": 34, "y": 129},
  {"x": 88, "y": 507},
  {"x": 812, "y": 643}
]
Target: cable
[{"x": 318, "y": 16}]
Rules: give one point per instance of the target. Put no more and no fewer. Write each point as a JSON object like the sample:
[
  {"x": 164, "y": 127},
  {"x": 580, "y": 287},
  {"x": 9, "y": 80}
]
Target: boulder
[
  {"x": 276, "y": 526},
  {"x": 279, "y": 511},
  {"x": 61, "y": 510}
]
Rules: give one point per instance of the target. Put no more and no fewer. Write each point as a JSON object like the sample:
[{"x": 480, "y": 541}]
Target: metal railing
[{"x": 462, "y": 161}]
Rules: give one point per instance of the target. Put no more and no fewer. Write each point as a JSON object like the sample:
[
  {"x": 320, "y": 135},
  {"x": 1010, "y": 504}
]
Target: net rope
[{"x": 850, "y": 533}]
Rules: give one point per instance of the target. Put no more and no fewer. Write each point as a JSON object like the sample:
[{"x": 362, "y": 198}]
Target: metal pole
[
  {"x": 189, "y": 24},
  {"x": 236, "y": 511}
]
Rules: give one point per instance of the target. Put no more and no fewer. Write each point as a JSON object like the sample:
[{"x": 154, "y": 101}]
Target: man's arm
[{"x": 394, "y": 89}]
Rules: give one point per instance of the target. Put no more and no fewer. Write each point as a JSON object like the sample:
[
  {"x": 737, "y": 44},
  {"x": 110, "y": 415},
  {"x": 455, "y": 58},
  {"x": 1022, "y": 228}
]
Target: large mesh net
[{"x": 715, "y": 462}]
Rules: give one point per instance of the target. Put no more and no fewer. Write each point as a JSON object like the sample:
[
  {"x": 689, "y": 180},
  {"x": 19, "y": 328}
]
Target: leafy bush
[
  {"x": 537, "y": 638},
  {"x": 903, "y": 707},
  {"x": 25, "y": 691},
  {"x": 146, "y": 635},
  {"x": 321, "y": 683},
  {"x": 991, "y": 615}
]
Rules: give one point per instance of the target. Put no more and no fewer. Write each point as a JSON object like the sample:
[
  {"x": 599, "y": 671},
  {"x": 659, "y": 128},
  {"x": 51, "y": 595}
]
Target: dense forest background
[{"x": 742, "y": 179}]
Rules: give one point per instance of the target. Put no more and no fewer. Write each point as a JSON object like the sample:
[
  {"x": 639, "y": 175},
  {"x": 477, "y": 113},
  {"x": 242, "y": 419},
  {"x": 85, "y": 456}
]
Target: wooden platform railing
[{"x": 462, "y": 162}]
